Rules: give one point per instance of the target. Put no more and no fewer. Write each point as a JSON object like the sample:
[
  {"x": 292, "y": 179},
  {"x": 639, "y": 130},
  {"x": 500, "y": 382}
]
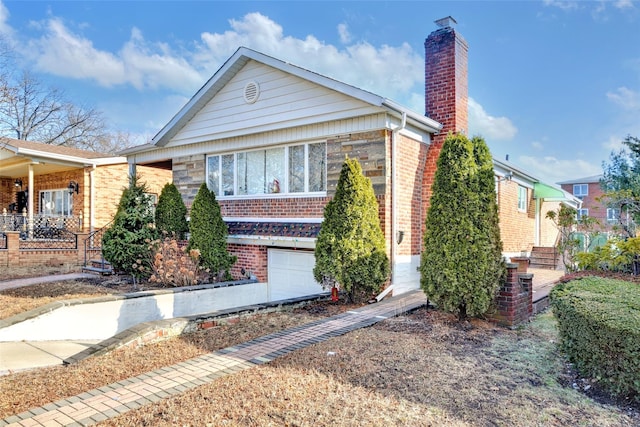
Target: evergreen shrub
[
  {"x": 171, "y": 213},
  {"x": 126, "y": 243},
  {"x": 599, "y": 324},
  {"x": 350, "y": 250},
  {"x": 209, "y": 234},
  {"x": 462, "y": 265}
]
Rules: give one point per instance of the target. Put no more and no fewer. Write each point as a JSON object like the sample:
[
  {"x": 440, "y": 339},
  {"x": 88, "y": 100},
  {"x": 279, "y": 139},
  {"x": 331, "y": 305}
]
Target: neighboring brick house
[
  {"x": 588, "y": 190},
  {"x": 56, "y": 187},
  {"x": 523, "y": 203},
  {"x": 269, "y": 138}
]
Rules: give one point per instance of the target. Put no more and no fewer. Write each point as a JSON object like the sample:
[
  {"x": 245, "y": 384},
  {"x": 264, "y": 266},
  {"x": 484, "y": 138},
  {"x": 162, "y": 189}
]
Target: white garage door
[{"x": 291, "y": 274}]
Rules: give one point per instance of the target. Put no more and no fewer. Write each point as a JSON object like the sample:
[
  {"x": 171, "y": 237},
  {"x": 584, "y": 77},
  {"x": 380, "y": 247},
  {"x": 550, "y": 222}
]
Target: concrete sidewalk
[
  {"x": 111, "y": 400},
  {"x": 27, "y": 281},
  {"x": 17, "y": 356}
]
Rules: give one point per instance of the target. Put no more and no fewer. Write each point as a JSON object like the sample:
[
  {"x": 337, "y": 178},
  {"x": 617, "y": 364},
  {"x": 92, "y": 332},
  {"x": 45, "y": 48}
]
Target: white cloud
[
  {"x": 343, "y": 31},
  {"x": 391, "y": 71},
  {"x": 614, "y": 143},
  {"x": 562, "y": 4},
  {"x": 488, "y": 126},
  {"x": 537, "y": 145},
  {"x": 551, "y": 169},
  {"x": 623, "y": 4},
  {"x": 388, "y": 70},
  {"x": 4, "y": 19},
  {"x": 626, "y": 98},
  {"x": 61, "y": 52}
]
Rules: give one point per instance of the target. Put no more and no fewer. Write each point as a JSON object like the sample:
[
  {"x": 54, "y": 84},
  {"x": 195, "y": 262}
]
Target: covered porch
[{"x": 48, "y": 202}]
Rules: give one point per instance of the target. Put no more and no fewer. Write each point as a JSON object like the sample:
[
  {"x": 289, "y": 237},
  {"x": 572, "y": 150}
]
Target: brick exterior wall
[
  {"x": 410, "y": 167},
  {"x": 372, "y": 149},
  {"x": 251, "y": 257},
  {"x": 7, "y": 193},
  {"x": 516, "y": 227},
  {"x": 597, "y": 209}
]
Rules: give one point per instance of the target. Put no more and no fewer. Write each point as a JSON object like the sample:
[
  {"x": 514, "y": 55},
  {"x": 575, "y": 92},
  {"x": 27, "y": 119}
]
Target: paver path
[{"x": 109, "y": 401}]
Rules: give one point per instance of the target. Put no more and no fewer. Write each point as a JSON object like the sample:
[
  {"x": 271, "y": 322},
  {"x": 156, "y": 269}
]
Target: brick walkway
[{"x": 109, "y": 401}]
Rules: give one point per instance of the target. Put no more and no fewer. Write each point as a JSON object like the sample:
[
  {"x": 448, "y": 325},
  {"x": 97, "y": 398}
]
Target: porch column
[
  {"x": 536, "y": 238},
  {"x": 92, "y": 198},
  {"x": 30, "y": 200}
]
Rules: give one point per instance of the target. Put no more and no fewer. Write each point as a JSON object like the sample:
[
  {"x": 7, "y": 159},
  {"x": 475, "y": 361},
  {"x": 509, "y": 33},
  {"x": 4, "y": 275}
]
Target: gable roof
[
  {"x": 242, "y": 56},
  {"x": 586, "y": 180},
  {"x": 541, "y": 189},
  {"x": 16, "y": 154},
  {"x": 18, "y": 145}
]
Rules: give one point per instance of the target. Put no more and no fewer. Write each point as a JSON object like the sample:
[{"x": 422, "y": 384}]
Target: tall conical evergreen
[
  {"x": 171, "y": 213},
  {"x": 350, "y": 249},
  {"x": 461, "y": 264},
  {"x": 209, "y": 233},
  {"x": 126, "y": 243}
]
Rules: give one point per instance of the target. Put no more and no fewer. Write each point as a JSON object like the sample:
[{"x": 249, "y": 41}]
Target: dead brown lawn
[{"x": 416, "y": 370}]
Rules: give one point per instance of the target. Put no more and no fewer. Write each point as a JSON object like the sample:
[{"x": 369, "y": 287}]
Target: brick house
[
  {"x": 523, "y": 202},
  {"x": 50, "y": 194},
  {"x": 269, "y": 139},
  {"x": 589, "y": 191}
]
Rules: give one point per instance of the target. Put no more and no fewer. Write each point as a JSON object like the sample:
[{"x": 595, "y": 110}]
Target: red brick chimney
[{"x": 446, "y": 91}]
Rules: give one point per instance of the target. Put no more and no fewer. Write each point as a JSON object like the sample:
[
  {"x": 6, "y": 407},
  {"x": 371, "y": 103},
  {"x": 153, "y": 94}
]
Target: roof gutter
[{"x": 425, "y": 122}]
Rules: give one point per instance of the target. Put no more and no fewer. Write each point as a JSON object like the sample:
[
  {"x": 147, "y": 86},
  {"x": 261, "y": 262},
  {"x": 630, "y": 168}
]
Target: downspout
[{"x": 394, "y": 209}]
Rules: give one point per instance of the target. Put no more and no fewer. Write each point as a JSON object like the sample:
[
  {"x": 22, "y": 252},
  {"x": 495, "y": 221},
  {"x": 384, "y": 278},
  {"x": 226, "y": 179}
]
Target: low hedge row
[{"x": 599, "y": 324}]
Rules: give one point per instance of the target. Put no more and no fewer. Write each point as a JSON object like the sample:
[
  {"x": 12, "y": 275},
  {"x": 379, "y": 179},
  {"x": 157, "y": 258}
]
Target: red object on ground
[{"x": 334, "y": 294}]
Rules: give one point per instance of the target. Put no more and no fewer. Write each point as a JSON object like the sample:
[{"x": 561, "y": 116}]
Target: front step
[
  {"x": 545, "y": 257},
  {"x": 102, "y": 267}
]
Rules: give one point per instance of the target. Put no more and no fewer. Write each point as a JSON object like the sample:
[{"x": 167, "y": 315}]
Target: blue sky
[{"x": 553, "y": 84}]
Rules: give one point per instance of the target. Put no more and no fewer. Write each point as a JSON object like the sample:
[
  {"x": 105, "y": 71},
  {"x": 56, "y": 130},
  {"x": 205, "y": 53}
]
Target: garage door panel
[{"x": 291, "y": 274}]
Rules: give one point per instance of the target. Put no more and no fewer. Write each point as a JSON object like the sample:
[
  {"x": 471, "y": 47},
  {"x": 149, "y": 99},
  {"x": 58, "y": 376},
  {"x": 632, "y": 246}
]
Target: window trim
[
  {"x": 65, "y": 194},
  {"x": 581, "y": 194},
  {"x": 285, "y": 178},
  {"x": 615, "y": 216},
  {"x": 524, "y": 200}
]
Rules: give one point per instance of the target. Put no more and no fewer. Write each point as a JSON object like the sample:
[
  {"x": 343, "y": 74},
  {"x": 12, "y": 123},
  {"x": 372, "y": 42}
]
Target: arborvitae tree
[
  {"x": 127, "y": 243},
  {"x": 209, "y": 233},
  {"x": 350, "y": 250},
  {"x": 171, "y": 213},
  {"x": 461, "y": 264}
]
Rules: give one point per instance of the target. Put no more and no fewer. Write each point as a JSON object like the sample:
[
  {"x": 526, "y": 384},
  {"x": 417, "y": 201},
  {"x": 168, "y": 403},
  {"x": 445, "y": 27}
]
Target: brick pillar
[
  {"x": 13, "y": 248},
  {"x": 526, "y": 281},
  {"x": 446, "y": 93},
  {"x": 514, "y": 303}
]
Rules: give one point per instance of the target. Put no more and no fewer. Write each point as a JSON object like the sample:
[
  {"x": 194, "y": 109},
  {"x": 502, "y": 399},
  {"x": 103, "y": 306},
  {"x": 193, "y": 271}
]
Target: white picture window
[
  {"x": 613, "y": 214},
  {"x": 522, "y": 198},
  {"x": 280, "y": 170},
  {"x": 580, "y": 190},
  {"x": 56, "y": 202}
]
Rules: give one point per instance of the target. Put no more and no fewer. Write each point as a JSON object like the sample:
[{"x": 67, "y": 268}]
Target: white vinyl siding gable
[{"x": 282, "y": 98}]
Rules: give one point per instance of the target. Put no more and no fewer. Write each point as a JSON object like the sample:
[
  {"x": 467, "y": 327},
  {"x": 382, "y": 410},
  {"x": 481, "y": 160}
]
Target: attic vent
[{"x": 251, "y": 92}]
